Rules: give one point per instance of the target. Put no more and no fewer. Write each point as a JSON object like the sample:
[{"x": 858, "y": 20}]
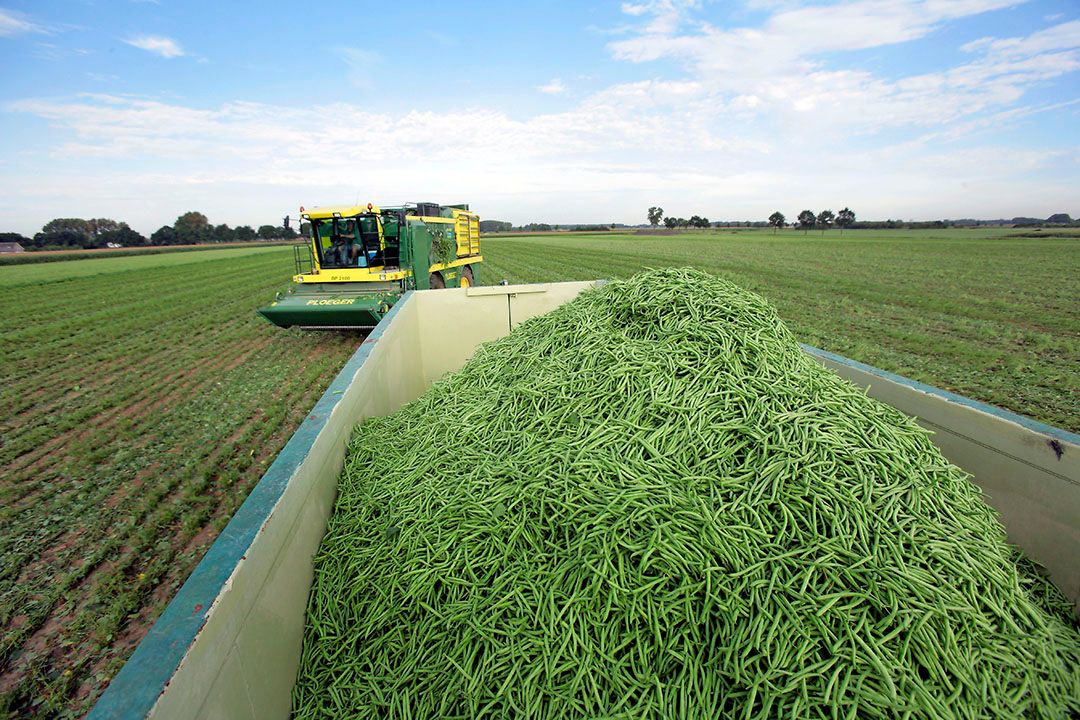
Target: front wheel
[
  {"x": 436, "y": 282},
  {"x": 467, "y": 277}
]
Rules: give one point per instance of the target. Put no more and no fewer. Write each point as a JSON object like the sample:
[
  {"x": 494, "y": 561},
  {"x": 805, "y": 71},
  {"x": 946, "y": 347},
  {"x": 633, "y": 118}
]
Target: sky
[{"x": 557, "y": 111}]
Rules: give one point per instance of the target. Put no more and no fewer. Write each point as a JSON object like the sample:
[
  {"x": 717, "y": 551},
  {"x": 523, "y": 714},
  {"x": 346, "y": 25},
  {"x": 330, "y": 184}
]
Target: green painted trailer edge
[{"x": 146, "y": 674}]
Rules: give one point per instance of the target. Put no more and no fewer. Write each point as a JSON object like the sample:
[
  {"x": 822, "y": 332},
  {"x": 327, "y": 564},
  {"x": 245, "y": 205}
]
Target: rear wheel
[
  {"x": 436, "y": 281},
  {"x": 467, "y": 277}
]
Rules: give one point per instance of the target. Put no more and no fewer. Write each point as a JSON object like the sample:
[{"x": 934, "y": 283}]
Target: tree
[
  {"x": 825, "y": 220},
  {"x": 223, "y": 234},
  {"x": 656, "y": 214},
  {"x": 164, "y": 235},
  {"x": 192, "y": 228},
  {"x": 122, "y": 235},
  {"x": 72, "y": 224},
  {"x": 244, "y": 233},
  {"x": 269, "y": 232},
  {"x": 670, "y": 222},
  {"x": 807, "y": 218},
  {"x": 101, "y": 226},
  {"x": 66, "y": 232},
  {"x": 845, "y": 219},
  {"x": 485, "y": 226},
  {"x": 776, "y": 220}
]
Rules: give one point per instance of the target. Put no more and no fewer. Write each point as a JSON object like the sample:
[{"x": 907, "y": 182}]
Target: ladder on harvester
[
  {"x": 303, "y": 258},
  {"x": 467, "y": 234}
]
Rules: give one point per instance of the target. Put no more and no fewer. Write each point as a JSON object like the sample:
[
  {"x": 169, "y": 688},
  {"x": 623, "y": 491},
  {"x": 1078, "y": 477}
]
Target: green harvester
[{"x": 361, "y": 259}]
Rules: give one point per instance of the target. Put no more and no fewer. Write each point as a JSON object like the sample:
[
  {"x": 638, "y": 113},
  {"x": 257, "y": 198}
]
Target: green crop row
[{"x": 143, "y": 398}]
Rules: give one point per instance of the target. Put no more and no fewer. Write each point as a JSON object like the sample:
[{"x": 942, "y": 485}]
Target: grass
[
  {"x": 143, "y": 398},
  {"x": 52, "y": 256},
  {"x": 52, "y": 272},
  {"x": 987, "y": 313}
]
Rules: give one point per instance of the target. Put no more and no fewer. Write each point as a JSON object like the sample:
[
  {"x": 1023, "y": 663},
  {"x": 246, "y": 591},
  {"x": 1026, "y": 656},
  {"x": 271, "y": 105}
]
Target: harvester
[{"x": 361, "y": 259}]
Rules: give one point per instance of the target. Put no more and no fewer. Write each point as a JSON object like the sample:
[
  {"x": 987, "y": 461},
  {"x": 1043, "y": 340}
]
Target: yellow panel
[
  {"x": 455, "y": 263},
  {"x": 351, "y": 275},
  {"x": 461, "y": 234},
  {"x": 474, "y": 235},
  {"x": 322, "y": 213}
]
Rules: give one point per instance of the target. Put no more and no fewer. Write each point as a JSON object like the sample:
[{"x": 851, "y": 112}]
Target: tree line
[
  {"x": 823, "y": 220},
  {"x": 191, "y": 228},
  {"x": 807, "y": 220}
]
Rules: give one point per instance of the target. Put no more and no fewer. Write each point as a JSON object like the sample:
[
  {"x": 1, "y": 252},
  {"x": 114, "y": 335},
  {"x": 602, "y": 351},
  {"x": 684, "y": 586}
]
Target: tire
[
  {"x": 466, "y": 277},
  {"x": 436, "y": 281}
]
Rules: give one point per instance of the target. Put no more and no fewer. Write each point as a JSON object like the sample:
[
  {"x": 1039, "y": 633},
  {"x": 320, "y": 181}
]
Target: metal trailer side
[{"x": 228, "y": 645}]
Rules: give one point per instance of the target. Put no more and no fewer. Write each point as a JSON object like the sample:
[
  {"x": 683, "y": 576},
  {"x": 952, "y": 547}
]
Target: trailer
[{"x": 228, "y": 645}]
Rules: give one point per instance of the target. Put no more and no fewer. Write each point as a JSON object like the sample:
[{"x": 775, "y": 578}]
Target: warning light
[
  {"x": 369, "y": 206},
  {"x": 301, "y": 208}
]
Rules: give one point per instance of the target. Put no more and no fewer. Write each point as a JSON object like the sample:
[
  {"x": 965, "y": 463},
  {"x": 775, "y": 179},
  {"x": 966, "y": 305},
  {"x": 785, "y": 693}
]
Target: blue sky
[{"x": 538, "y": 111}]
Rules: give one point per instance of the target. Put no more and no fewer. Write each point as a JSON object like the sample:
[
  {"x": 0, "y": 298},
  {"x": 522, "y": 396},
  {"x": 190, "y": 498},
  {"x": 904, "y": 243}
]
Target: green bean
[{"x": 651, "y": 502}]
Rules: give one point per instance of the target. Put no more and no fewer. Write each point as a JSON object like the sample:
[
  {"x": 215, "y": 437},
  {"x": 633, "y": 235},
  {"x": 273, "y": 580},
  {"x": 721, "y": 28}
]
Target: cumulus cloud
[
  {"x": 163, "y": 46},
  {"x": 788, "y": 64}
]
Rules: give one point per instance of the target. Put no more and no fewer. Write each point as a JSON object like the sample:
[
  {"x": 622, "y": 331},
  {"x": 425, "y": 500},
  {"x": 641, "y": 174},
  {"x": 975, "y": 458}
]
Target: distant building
[{"x": 11, "y": 248}]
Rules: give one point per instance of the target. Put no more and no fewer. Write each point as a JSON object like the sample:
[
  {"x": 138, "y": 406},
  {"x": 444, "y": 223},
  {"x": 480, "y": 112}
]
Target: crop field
[
  {"x": 142, "y": 399},
  {"x": 987, "y": 313}
]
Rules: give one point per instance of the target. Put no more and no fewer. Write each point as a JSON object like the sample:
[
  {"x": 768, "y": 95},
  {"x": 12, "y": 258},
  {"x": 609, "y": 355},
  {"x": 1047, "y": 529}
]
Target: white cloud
[
  {"x": 667, "y": 15},
  {"x": 788, "y": 64},
  {"x": 163, "y": 46},
  {"x": 553, "y": 87},
  {"x": 14, "y": 23}
]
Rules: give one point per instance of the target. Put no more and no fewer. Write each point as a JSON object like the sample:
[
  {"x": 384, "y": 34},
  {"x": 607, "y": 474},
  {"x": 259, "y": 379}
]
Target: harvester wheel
[
  {"x": 467, "y": 277},
  {"x": 436, "y": 281}
]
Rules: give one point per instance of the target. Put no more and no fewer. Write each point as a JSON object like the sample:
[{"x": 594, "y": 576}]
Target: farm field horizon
[
  {"x": 144, "y": 398},
  {"x": 988, "y": 313}
]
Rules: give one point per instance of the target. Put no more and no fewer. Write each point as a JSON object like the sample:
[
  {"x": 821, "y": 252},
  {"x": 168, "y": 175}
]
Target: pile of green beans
[{"x": 651, "y": 503}]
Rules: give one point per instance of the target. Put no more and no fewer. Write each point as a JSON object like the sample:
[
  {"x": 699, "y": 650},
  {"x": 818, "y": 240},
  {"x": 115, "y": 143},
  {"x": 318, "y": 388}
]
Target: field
[
  {"x": 142, "y": 397},
  {"x": 48, "y": 256},
  {"x": 142, "y": 400},
  {"x": 988, "y": 313}
]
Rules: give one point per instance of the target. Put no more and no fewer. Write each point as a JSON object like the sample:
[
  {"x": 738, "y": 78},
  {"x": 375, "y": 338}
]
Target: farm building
[{"x": 11, "y": 247}]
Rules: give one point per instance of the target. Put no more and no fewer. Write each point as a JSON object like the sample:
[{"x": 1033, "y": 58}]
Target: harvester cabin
[{"x": 355, "y": 242}]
